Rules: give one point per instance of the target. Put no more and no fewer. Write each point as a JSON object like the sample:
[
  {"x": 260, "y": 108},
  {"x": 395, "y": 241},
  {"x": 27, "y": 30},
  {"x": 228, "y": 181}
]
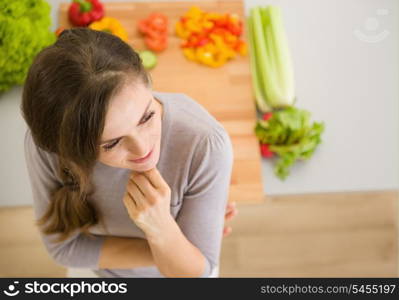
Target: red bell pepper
[
  {"x": 84, "y": 12},
  {"x": 235, "y": 29}
]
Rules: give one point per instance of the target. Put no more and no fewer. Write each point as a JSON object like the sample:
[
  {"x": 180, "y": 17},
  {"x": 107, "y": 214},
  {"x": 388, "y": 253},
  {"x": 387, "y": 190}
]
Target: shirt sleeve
[
  {"x": 79, "y": 250},
  {"x": 201, "y": 217}
]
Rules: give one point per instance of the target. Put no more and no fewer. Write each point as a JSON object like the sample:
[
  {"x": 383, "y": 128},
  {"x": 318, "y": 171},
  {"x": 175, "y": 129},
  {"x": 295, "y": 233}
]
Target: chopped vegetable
[
  {"x": 110, "y": 25},
  {"x": 289, "y": 134},
  {"x": 158, "y": 44},
  {"x": 148, "y": 58},
  {"x": 84, "y": 12},
  {"x": 155, "y": 30},
  {"x": 210, "y": 38}
]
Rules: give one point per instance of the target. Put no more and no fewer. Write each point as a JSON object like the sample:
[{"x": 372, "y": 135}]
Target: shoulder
[
  {"x": 190, "y": 117},
  {"x": 38, "y": 159},
  {"x": 212, "y": 163}
]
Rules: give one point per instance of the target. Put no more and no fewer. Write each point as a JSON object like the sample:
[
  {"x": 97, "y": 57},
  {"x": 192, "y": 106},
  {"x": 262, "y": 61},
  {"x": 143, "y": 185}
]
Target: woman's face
[{"x": 133, "y": 126}]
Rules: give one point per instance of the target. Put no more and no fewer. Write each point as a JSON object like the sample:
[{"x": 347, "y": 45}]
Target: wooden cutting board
[{"x": 226, "y": 92}]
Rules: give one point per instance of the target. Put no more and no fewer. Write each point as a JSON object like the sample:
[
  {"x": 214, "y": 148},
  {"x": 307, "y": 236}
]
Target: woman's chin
[{"x": 143, "y": 166}]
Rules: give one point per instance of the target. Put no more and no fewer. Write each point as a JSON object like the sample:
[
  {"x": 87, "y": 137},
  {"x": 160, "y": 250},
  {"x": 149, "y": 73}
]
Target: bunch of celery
[
  {"x": 271, "y": 65},
  {"x": 284, "y": 130}
]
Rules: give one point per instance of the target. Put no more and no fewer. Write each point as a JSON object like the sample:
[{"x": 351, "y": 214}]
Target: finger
[
  {"x": 136, "y": 195},
  {"x": 229, "y": 216},
  {"x": 129, "y": 202},
  {"x": 227, "y": 231},
  {"x": 233, "y": 212},
  {"x": 143, "y": 184},
  {"x": 155, "y": 177},
  {"x": 230, "y": 206}
]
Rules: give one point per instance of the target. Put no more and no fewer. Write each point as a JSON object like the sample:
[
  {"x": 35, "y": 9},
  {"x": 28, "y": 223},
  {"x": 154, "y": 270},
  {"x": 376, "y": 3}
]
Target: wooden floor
[{"x": 319, "y": 235}]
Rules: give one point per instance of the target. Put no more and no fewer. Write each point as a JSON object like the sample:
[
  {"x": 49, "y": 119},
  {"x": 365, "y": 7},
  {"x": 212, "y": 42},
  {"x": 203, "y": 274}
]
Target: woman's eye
[
  {"x": 148, "y": 117},
  {"x": 110, "y": 146}
]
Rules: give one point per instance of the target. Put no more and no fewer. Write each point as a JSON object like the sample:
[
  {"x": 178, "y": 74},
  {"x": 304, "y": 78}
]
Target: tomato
[
  {"x": 155, "y": 34},
  {"x": 157, "y": 45},
  {"x": 155, "y": 29},
  {"x": 158, "y": 22},
  {"x": 143, "y": 26}
]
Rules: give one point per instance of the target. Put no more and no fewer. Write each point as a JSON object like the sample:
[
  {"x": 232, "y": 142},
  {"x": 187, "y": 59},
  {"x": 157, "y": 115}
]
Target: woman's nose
[{"x": 137, "y": 148}]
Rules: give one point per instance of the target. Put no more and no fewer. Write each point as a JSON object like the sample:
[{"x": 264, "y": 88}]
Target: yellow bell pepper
[
  {"x": 210, "y": 38},
  {"x": 231, "y": 38},
  {"x": 212, "y": 56},
  {"x": 207, "y": 24},
  {"x": 189, "y": 53},
  {"x": 110, "y": 25},
  {"x": 193, "y": 26},
  {"x": 206, "y": 58},
  {"x": 194, "y": 12},
  {"x": 212, "y": 16},
  {"x": 181, "y": 32}
]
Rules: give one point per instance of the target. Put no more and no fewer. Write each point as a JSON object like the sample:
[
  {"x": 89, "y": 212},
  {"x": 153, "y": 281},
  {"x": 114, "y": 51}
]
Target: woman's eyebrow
[{"x": 148, "y": 106}]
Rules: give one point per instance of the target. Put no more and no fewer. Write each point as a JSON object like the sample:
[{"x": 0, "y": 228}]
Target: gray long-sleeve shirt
[{"x": 196, "y": 159}]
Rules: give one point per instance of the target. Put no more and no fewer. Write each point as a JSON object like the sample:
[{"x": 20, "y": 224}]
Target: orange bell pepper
[{"x": 210, "y": 38}]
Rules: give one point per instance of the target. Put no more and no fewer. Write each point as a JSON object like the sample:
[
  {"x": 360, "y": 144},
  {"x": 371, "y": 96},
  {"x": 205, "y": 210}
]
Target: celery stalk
[
  {"x": 281, "y": 58},
  {"x": 257, "y": 82},
  {"x": 271, "y": 57},
  {"x": 261, "y": 54}
]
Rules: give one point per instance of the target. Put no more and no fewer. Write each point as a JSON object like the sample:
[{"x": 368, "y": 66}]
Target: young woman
[{"x": 126, "y": 181}]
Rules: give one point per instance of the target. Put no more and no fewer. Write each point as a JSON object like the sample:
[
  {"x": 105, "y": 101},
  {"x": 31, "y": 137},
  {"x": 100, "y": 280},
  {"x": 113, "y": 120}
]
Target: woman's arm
[
  {"x": 174, "y": 255},
  {"x": 125, "y": 253},
  {"x": 140, "y": 249}
]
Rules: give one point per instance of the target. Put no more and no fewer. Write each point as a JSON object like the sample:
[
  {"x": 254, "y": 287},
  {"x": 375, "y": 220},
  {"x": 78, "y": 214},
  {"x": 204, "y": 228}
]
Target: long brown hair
[{"x": 65, "y": 99}]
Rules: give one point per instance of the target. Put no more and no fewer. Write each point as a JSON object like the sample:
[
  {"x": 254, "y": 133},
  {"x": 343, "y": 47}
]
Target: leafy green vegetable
[
  {"x": 24, "y": 31},
  {"x": 289, "y": 134}
]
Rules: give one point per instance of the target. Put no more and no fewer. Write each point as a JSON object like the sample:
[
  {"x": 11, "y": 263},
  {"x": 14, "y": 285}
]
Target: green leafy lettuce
[
  {"x": 291, "y": 136},
  {"x": 24, "y": 31}
]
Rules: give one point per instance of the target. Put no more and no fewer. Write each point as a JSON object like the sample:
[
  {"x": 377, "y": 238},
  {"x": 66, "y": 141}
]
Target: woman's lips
[{"x": 144, "y": 159}]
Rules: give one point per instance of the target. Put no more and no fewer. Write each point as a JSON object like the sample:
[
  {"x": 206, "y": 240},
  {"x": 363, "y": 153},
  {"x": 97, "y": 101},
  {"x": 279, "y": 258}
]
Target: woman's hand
[
  {"x": 231, "y": 211},
  {"x": 147, "y": 200}
]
